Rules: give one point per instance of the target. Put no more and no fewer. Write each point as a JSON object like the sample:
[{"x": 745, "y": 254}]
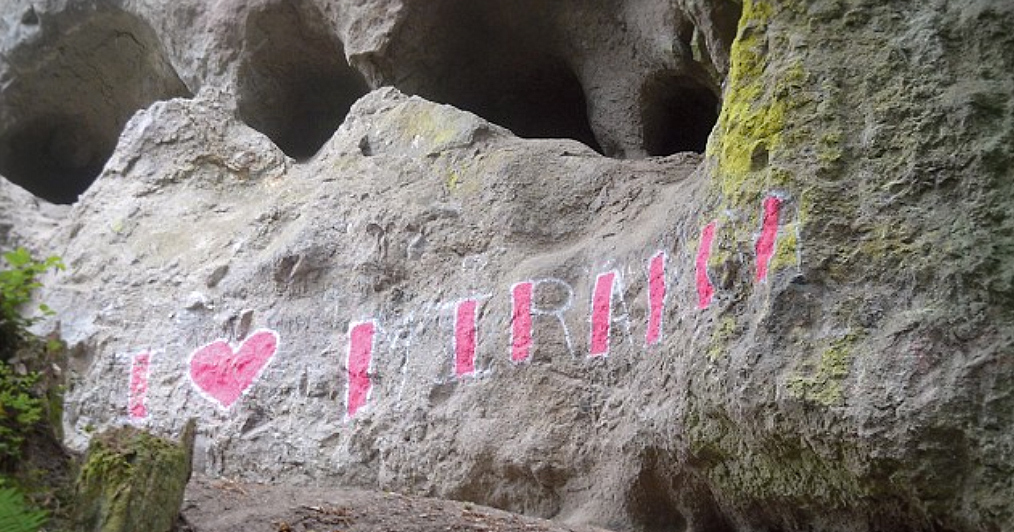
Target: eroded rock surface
[
  {"x": 807, "y": 326},
  {"x": 305, "y": 251}
]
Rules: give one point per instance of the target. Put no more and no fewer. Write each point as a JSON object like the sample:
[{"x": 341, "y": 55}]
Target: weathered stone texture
[{"x": 851, "y": 372}]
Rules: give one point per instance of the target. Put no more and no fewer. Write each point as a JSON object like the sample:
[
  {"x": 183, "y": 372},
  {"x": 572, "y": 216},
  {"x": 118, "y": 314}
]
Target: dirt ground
[{"x": 226, "y": 506}]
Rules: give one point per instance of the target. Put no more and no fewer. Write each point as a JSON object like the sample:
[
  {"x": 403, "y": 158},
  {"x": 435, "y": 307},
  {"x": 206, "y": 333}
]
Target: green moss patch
[
  {"x": 773, "y": 468},
  {"x": 721, "y": 337},
  {"x": 132, "y": 480},
  {"x": 824, "y": 385}
]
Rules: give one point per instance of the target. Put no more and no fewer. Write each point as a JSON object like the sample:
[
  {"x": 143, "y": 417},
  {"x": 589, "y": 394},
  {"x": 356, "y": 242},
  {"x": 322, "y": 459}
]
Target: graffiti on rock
[
  {"x": 656, "y": 298},
  {"x": 602, "y": 314},
  {"x": 765, "y": 247},
  {"x": 705, "y": 290},
  {"x": 137, "y": 401},
  {"x": 465, "y": 333},
  {"x": 521, "y": 321},
  {"x": 223, "y": 373},
  {"x": 359, "y": 364}
]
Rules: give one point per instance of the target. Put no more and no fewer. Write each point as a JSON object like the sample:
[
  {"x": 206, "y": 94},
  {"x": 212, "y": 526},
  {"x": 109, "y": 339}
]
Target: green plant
[
  {"x": 17, "y": 284},
  {"x": 19, "y": 410},
  {"x": 15, "y": 515},
  {"x": 24, "y": 394}
]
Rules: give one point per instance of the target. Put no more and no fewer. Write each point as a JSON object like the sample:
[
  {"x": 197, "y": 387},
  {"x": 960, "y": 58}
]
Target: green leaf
[
  {"x": 18, "y": 283},
  {"x": 15, "y": 516},
  {"x": 18, "y": 257}
]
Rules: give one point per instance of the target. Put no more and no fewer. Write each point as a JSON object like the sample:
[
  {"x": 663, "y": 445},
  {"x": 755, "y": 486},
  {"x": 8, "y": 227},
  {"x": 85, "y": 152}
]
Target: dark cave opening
[
  {"x": 55, "y": 157},
  {"x": 650, "y": 504},
  {"x": 677, "y": 114},
  {"x": 295, "y": 85},
  {"x": 496, "y": 60},
  {"x": 65, "y": 116},
  {"x": 544, "y": 101}
]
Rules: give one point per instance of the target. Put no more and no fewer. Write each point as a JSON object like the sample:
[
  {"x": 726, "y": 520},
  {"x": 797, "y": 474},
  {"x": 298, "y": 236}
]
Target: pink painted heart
[{"x": 225, "y": 374}]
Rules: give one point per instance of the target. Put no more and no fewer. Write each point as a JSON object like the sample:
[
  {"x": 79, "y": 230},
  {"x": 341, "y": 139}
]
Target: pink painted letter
[
  {"x": 656, "y": 298},
  {"x": 525, "y": 308},
  {"x": 464, "y": 338},
  {"x": 602, "y": 313},
  {"x": 359, "y": 358},
  {"x": 705, "y": 290},
  {"x": 521, "y": 320},
  {"x": 765, "y": 247},
  {"x": 137, "y": 401}
]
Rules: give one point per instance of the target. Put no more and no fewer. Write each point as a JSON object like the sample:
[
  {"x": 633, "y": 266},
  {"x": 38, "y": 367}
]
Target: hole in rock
[
  {"x": 295, "y": 85},
  {"x": 497, "y": 60},
  {"x": 677, "y": 113},
  {"x": 77, "y": 85},
  {"x": 759, "y": 157},
  {"x": 650, "y": 505}
]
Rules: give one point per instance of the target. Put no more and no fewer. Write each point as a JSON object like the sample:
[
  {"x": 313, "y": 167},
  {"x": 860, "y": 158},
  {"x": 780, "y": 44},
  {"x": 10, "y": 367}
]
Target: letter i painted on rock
[
  {"x": 765, "y": 247},
  {"x": 137, "y": 402},
  {"x": 705, "y": 290},
  {"x": 602, "y": 314},
  {"x": 465, "y": 337},
  {"x": 656, "y": 298},
  {"x": 521, "y": 321},
  {"x": 360, "y": 357}
]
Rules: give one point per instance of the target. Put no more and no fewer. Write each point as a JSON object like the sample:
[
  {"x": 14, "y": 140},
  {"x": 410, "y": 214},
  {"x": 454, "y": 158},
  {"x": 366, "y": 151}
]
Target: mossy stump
[{"x": 133, "y": 481}]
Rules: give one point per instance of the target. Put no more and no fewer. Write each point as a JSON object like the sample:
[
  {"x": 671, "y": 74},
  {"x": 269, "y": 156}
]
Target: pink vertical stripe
[
  {"x": 137, "y": 401},
  {"x": 602, "y": 306},
  {"x": 464, "y": 338},
  {"x": 765, "y": 247},
  {"x": 656, "y": 298},
  {"x": 705, "y": 290},
  {"x": 521, "y": 320},
  {"x": 360, "y": 354}
]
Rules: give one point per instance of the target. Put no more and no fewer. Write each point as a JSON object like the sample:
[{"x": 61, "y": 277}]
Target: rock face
[
  {"x": 25, "y": 220},
  {"x": 806, "y": 325}
]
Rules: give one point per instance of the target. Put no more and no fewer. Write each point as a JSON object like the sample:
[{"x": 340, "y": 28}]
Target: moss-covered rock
[
  {"x": 133, "y": 481},
  {"x": 877, "y": 354}
]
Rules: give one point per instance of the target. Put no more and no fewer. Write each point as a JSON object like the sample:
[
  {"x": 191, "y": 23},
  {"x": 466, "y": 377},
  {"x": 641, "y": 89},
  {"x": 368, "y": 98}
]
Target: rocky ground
[{"x": 219, "y": 505}]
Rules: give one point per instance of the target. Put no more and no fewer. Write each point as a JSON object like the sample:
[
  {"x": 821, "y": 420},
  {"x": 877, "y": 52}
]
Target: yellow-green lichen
[
  {"x": 720, "y": 338},
  {"x": 750, "y": 124},
  {"x": 780, "y": 178},
  {"x": 824, "y": 385},
  {"x": 786, "y": 249},
  {"x": 775, "y": 467},
  {"x": 886, "y": 240},
  {"x": 105, "y": 466},
  {"x": 429, "y": 129},
  {"x": 829, "y": 149},
  {"x": 462, "y": 176},
  {"x": 453, "y": 180},
  {"x": 751, "y": 134},
  {"x": 424, "y": 124},
  {"x": 721, "y": 253},
  {"x": 787, "y": 472}
]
